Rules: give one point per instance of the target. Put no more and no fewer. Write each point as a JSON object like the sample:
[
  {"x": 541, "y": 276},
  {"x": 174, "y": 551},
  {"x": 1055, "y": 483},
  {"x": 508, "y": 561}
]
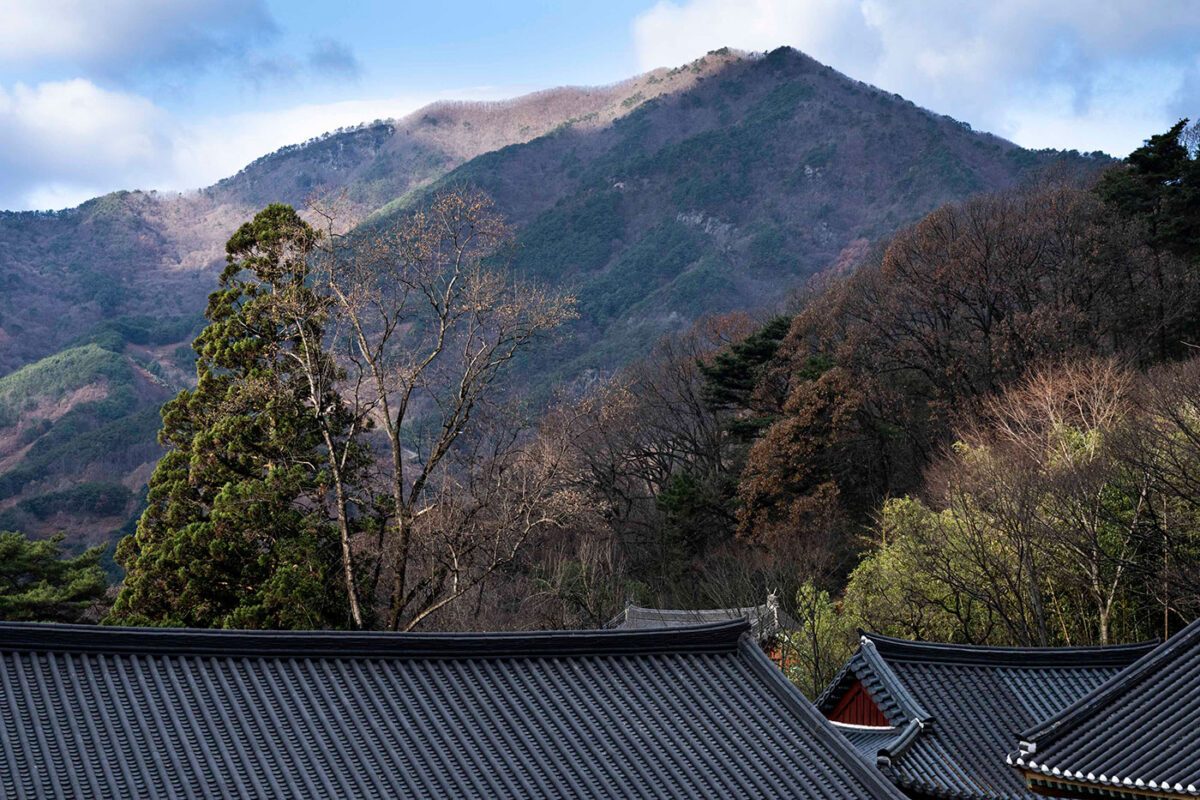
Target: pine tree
[
  {"x": 1161, "y": 186},
  {"x": 38, "y": 584},
  {"x": 237, "y": 532},
  {"x": 734, "y": 373}
]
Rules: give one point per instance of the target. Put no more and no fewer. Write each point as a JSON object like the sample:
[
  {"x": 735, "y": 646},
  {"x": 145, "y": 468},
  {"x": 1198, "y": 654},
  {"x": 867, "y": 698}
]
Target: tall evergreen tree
[
  {"x": 733, "y": 375},
  {"x": 237, "y": 532},
  {"x": 1161, "y": 186}
]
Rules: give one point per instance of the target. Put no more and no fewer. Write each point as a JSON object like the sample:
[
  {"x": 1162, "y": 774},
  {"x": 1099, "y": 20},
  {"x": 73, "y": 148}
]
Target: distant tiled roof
[
  {"x": 92, "y": 712},
  {"x": 1140, "y": 731},
  {"x": 765, "y": 620},
  {"x": 953, "y": 708}
]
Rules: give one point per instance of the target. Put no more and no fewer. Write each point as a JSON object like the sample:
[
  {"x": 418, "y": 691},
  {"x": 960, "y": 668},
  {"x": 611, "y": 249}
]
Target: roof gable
[
  {"x": 1139, "y": 731},
  {"x": 696, "y": 712},
  {"x": 868, "y": 667},
  {"x": 857, "y": 708},
  {"x": 954, "y": 707}
]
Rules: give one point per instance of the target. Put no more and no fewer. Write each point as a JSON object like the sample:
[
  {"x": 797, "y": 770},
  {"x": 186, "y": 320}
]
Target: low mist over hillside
[{"x": 711, "y": 187}]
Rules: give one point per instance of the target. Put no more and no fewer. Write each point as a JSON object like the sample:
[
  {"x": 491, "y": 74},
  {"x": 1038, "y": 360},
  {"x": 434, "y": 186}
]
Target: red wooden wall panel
[{"x": 857, "y": 708}]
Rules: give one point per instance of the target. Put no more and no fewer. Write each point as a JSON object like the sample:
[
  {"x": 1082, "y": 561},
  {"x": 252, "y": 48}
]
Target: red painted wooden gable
[{"x": 857, "y": 708}]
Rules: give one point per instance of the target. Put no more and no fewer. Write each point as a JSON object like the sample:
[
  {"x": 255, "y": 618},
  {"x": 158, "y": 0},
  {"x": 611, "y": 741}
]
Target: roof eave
[{"x": 1034, "y": 776}]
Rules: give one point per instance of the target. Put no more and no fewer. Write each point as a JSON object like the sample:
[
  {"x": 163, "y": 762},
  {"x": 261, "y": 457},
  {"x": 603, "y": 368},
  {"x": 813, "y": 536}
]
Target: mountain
[
  {"x": 77, "y": 440},
  {"x": 724, "y": 195},
  {"x": 131, "y": 253},
  {"x": 710, "y": 187}
]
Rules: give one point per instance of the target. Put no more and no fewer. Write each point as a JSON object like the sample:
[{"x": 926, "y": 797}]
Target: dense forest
[{"x": 987, "y": 430}]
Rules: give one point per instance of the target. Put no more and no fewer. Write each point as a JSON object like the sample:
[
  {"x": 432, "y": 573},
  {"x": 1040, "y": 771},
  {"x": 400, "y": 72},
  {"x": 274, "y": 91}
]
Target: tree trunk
[
  {"x": 344, "y": 528},
  {"x": 403, "y": 528}
]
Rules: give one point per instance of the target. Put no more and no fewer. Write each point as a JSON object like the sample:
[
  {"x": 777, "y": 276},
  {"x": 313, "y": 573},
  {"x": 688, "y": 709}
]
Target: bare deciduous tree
[{"x": 432, "y": 319}]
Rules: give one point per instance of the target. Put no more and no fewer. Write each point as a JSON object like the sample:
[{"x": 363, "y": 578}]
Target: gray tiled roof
[
  {"x": 1139, "y": 731},
  {"x": 868, "y": 739},
  {"x": 147, "y": 713},
  {"x": 765, "y": 620},
  {"x": 954, "y": 708}
]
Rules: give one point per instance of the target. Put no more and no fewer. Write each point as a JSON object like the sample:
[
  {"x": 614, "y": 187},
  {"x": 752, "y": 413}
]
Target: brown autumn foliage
[
  {"x": 793, "y": 478},
  {"x": 930, "y": 340},
  {"x": 659, "y": 470},
  {"x": 1020, "y": 325},
  {"x": 953, "y": 309},
  {"x": 881, "y": 369}
]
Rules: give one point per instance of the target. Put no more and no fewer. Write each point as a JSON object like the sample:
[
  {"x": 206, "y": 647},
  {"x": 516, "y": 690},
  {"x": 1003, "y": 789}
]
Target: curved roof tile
[
  {"x": 766, "y": 620},
  {"x": 960, "y": 705},
  {"x": 137, "y": 713},
  {"x": 1140, "y": 730}
]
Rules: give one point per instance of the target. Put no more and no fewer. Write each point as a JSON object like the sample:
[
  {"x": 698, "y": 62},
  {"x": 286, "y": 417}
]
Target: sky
[{"x": 175, "y": 94}]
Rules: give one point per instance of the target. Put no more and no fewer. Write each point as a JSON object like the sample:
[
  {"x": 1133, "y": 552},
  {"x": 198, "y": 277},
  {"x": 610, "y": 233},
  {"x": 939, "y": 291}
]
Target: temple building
[
  {"x": 687, "y": 712},
  {"x": 939, "y": 720}
]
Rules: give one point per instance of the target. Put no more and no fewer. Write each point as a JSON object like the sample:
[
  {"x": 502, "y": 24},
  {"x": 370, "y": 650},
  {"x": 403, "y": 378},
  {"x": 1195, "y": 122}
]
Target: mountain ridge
[
  {"x": 762, "y": 173},
  {"x": 160, "y": 235},
  {"x": 711, "y": 187}
]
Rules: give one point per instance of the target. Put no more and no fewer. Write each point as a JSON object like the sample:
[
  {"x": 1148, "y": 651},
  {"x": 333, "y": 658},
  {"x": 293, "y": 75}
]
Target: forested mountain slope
[
  {"x": 723, "y": 196},
  {"x": 709, "y": 187},
  {"x": 61, "y": 273}
]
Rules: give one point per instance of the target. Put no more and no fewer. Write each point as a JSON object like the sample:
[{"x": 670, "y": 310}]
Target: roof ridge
[
  {"x": 897, "y": 690},
  {"x": 714, "y": 637},
  {"x": 1071, "y": 715},
  {"x": 944, "y": 652},
  {"x": 800, "y": 705},
  {"x": 693, "y": 610}
]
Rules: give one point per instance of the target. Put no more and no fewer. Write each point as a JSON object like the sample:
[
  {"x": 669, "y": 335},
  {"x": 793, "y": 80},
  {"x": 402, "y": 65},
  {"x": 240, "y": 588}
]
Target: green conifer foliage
[
  {"x": 38, "y": 585},
  {"x": 1161, "y": 186},
  {"x": 237, "y": 533},
  {"x": 734, "y": 373}
]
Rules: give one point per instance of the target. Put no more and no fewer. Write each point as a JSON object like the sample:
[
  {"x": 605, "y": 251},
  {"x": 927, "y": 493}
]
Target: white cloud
[
  {"x": 150, "y": 42},
  {"x": 670, "y": 34},
  {"x": 1086, "y": 74},
  {"x": 62, "y": 143},
  {"x": 116, "y": 35},
  {"x": 1108, "y": 120},
  {"x": 58, "y": 195},
  {"x": 56, "y": 138}
]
